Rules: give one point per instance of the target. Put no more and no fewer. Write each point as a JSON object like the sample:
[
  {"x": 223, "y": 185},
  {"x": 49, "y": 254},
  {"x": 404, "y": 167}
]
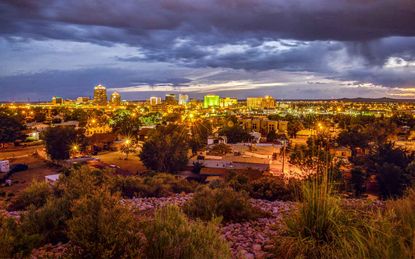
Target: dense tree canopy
[
  {"x": 10, "y": 128},
  {"x": 166, "y": 149},
  {"x": 235, "y": 134},
  {"x": 125, "y": 123},
  {"x": 58, "y": 141}
]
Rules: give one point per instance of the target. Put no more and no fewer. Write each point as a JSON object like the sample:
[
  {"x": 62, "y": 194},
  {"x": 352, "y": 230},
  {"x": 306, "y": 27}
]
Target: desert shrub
[
  {"x": 13, "y": 241},
  {"x": 159, "y": 185},
  {"x": 36, "y": 194},
  {"x": 239, "y": 182},
  {"x": 47, "y": 222},
  {"x": 273, "y": 188},
  {"x": 220, "y": 149},
  {"x": 102, "y": 228},
  {"x": 320, "y": 228},
  {"x": 172, "y": 235},
  {"x": 223, "y": 202}
]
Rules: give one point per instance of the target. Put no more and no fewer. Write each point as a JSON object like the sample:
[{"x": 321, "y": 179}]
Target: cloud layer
[{"x": 131, "y": 43}]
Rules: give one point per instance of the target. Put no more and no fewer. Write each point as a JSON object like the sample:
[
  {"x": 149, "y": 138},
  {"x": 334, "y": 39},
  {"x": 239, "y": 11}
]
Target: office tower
[
  {"x": 155, "y": 100},
  {"x": 82, "y": 100},
  {"x": 266, "y": 102},
  {"x": 100, "y": 95},
  {"x": 211, "y": 100},
  {"x": 170, "y": 99},
  {"x": 56, "y": 100},
  {"x": 115, "y": 99}
]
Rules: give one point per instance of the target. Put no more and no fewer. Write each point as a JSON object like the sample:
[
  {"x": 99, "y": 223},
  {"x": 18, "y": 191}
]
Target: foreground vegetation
[
  {"x": 84, "y": 208},
  {"x": 323, "y": 228}
]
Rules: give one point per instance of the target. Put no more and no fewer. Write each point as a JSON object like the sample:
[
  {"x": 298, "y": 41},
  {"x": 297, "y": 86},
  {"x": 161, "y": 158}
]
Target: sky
[{"x": 296, "y": 49}]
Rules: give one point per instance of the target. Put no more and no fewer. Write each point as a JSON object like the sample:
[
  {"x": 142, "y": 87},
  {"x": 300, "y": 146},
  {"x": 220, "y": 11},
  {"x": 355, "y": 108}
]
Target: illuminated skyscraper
[
  {"x": 82, "y": 100},
  {"x": 266, "y": 102},
  {"x": 155, "y": 100},
  {"x": 56, "y": 100},
  {"x": 228, "y": 102},
  {"x": 100, "y": 95},
  {"x": 170, "y": 99},
  {"x": 183, "y": 99},
  {"x": 211, "y": 100},
  {"x": 115, "y": 99}
]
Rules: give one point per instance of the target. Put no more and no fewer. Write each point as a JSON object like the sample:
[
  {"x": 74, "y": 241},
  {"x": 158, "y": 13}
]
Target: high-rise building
[
  {"x": 82, "y": 100},
  {"x": 115, "y": 99},
  {"x": 100, "y": 95},
  {"x": 56, "y": 100},
  {"x": 266, "y": 102},
  {"x": 170, "y": 99},
  {"x": 183, "y": 99},
  {"x": 155, "y": 100},
  {"x": 211, "y": 100},
  {"x": 228, "y": 102}
]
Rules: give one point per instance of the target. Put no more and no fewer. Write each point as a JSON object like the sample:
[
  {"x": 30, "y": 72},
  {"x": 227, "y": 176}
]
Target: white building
[{"x": 183, "y": 99}]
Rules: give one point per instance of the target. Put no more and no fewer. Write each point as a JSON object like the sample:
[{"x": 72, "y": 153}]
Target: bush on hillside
[
  {"x": 273, "y": 188},
  {"x": 14, "y": 242},
  {"x": 102, "y": 228},
  {"x": 36, "y": 194},
  {"x": 159, "y": 185},
  {"x": 223, "y": 202},
  {"x": 172, "y": 235}
]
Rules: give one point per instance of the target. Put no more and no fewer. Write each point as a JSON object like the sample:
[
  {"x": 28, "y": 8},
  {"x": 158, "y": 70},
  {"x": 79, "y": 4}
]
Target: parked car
[{"x": 18, "y": 167}]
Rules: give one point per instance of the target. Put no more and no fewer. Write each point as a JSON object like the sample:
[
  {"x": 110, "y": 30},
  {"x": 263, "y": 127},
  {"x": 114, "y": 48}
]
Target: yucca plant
[{"x": 320, "y": 228}]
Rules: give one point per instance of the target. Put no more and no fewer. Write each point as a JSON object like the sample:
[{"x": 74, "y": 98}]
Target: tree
[
  {"x": 393, "y": 167},
  {"x": 58, "y": 141},
  {"x": 11, "y": 128},
  {"x": 235, "y": 134},
  {"x": 166, "y": 149},
  {"x": 357, "y": 181},
  {"x": 293, "y": 127},
  {"x": 353, "y": 138},
  {"x": 125, "y": 123},
  {"x": 272, "y": 136},
  {"x": 200, "y": 132}
]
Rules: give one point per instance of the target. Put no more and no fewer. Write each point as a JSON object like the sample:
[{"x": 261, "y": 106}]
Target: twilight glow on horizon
[{"x": 297, "y": 49}]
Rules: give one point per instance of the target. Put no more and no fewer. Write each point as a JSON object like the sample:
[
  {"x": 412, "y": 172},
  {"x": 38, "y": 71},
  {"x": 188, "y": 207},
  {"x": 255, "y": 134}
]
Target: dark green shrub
[
  {"x": 172, "y": 235},
  {"x": 14, "y": 242},
  {"x": 358, "y": 181},
  {"x": 223, "y": 202},
  {"x": 47, "y": 222},
  {"x": 273, "y": 188},
  {"x": 36, "y": 194},
  {"x": 159, "y": 185},
  {"x": 102, "y": 228}
]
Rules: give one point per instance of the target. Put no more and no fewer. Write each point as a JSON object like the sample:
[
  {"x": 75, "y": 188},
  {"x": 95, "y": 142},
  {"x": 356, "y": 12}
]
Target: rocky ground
[{"x": 249, "y": 239}]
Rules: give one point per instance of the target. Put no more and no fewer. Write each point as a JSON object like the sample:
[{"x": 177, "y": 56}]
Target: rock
[{"x": 256, "y": 247}]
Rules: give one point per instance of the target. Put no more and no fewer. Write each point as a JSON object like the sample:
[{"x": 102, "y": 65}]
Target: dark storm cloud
[
  {"x": 318, "y": 36},
  {"x": 343, "y": 20},
  {"x": 75, "y": 83}
]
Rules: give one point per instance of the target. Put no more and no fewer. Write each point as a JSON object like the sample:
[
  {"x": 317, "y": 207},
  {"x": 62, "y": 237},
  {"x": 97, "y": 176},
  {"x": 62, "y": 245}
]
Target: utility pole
[{"x": 283, "y": 157}]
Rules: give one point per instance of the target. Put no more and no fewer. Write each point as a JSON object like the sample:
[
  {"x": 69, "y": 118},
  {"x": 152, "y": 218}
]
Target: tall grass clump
[
  {"x": 171, "y": 235},
  {"x": 320, "y": 228},
  {"x": 391, "y": 233}
]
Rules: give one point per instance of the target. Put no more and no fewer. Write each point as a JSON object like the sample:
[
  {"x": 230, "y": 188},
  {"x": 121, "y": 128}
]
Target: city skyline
[{"x": 299, "y": 50}]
